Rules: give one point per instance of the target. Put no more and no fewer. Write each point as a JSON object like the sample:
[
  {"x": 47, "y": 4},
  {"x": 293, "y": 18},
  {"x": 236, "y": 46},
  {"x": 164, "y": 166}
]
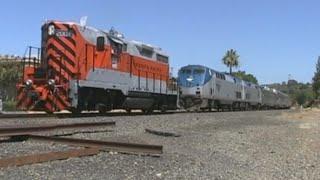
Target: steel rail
[
  {"x": 15, "y": 116},
  {"x": 82, "y": 115},
  {"x": 25, "y": 130},
  {"x": 45, "y": 157},
  {"x": 95, "y": 114},
  {"x": 122, "y": 147}
]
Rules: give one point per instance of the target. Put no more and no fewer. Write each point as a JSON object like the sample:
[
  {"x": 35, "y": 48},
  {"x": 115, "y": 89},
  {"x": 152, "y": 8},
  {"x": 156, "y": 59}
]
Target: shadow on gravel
[
  {"x": 14, "y": 139},
  {"x": 24, "y": 138}
]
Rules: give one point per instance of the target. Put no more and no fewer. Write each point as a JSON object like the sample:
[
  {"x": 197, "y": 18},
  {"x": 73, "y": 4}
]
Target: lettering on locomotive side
[{"x": 146, "y": 67}]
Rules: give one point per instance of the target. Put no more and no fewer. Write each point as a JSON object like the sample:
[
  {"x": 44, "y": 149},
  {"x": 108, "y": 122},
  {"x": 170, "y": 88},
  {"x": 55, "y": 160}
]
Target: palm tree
[{"x": 231, "y": 59}]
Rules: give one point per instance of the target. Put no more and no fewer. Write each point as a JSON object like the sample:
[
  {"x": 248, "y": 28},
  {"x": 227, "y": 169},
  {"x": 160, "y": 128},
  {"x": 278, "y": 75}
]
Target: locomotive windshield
[{"x": 191, "y": 76}]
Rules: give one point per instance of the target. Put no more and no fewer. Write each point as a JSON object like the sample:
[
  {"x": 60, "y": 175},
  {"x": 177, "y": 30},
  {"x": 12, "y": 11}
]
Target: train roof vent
[
  {"x": 145, "y": 51},
  {"x": 116, "y": 33}
]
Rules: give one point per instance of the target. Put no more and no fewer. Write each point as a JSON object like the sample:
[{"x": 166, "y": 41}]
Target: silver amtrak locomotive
[{"x": 203, "y": 88}]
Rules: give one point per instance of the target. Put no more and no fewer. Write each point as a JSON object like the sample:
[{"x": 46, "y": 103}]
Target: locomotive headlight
[
  {"x": 189, "y": 79},
  {"x": 51, "y": 82},
  {"x": 29, "y": 83},
  {"x": 51, "y": 30}
]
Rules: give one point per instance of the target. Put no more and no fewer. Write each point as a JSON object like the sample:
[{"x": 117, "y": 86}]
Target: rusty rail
[
  {"x": 25, "y": 130},
  {"x": 45, "y": 157},
  {"x": 130, "y": 148}
]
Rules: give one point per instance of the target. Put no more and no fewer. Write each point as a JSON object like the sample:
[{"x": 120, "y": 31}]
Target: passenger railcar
[
  {"x": 83, "y": 68},
  {"x": 269, "y": 98},
  {"x": 203, "y": 88}
]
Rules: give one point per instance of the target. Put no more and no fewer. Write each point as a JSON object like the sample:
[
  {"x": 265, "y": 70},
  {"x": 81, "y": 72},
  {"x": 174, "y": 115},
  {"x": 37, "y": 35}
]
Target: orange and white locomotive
[{"x": 83, "y": 68}]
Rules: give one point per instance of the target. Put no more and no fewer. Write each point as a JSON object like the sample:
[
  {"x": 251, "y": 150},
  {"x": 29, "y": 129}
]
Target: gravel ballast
[{"x": 217, "y": 145}]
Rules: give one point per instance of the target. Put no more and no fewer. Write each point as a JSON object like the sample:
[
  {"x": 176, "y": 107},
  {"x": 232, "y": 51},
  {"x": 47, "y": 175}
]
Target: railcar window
[
  {"x": 218, "y": 87},
  {"x": 238, "y": 95},
  {"x": 218, "y": 75},
  {"x": 221, "y": 76}
]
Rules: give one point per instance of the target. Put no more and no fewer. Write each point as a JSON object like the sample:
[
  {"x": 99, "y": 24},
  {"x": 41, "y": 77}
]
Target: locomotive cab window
[
  {"x": 124, "y": 47},
  {"x": 116, "y": 46},
  {"x": 100, "y": 43},
  {"x": 198, "y": 71},
  {"x": 186, "y": 71}
]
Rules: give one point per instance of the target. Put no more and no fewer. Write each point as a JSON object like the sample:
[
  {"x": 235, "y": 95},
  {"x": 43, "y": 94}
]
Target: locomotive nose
[{"x": 196, "y": 91}]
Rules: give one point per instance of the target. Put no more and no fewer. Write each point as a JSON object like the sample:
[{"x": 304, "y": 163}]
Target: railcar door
[
  {"x": 212, "y": 83},
  {"x": 243, "y": 91}
]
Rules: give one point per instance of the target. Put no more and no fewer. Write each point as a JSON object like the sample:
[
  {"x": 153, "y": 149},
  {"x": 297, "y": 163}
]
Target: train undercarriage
[
  {"x": 103, "y": 100},
  {"x": 195, "y": 103}
]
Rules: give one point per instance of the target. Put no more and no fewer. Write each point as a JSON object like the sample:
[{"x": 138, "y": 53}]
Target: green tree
[
  {"x": 231, "y": 59},
  {"x": 247, "y": 77},
  {"x": 316, "y": 80},
  {"x": 301, "y": 98},
  {"x": 10, "y": 74}
]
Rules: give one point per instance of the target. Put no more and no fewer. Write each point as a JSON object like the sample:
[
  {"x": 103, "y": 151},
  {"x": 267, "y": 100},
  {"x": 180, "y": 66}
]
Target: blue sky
[{"x": 274, "y": 38}]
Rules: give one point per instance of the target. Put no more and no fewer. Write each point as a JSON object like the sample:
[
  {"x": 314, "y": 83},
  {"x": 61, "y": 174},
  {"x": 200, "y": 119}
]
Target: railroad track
[
  {"x": 122, "y": 147},
  {"x": 87, "y": 147},
  {"x": 69, "y": 115},
  {"x": 95, "y": 114},
  {"x": 26, "y": 130}
]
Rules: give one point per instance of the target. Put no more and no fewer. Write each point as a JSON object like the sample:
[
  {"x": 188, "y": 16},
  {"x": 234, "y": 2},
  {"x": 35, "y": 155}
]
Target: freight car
[
  {"x": 203, "y": 88},
  {"x": 83, "y": 68}
]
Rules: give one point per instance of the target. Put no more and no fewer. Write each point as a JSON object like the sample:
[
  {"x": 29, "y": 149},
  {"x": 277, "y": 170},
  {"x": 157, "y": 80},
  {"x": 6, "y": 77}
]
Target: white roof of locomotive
[{"x": 155, "y": 49}]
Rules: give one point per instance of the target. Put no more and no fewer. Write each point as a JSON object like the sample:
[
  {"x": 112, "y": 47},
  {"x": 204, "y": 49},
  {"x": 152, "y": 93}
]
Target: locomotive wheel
[
  {"x": 147, "y": 111},
  {"x": 247, "y": 107},
  {"x": 102, "y": 109},
  {"x": 259, "y": 107},
  {"x": 75, "y": 111},
  {"x": 48, "y": 112}
]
